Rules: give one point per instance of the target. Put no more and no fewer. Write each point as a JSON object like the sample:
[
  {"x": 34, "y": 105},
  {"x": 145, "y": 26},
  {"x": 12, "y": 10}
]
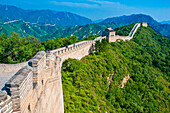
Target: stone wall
[
  {"x": 37, "y": 88},
  {"x": 19, "y": 87},
  {"x": 134, "y": 29},
  {"x": 76, "y": 51},
  {"x": 113, "y": 38}
]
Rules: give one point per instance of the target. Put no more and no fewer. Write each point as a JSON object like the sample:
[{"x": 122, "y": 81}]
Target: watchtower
[
  {"x": 144, "y": 24},
  {"x": 109, "y": 33}
]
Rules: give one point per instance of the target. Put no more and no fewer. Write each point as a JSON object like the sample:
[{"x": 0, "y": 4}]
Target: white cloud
[
  {"x": 73, "y": 4},
  {"x": 97, "y": 4},
  {"x": 104, "y": 2},
  {"x": 99, "y": 8},
  {"x": 108, "y": 4}
]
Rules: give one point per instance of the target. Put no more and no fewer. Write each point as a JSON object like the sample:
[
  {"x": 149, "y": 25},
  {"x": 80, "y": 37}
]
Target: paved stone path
[{"x": 4, "y": 78}]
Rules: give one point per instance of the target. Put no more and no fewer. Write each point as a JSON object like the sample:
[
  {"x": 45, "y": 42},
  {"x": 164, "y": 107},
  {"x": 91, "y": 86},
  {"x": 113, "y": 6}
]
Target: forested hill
[
  {"x": 80, "y": 31},
  {"x": 47, "y": 31},
  {"x": 66, "y": 19},
  {"x": 145, "y": 59},
  {"x": 26, "y": 29}
]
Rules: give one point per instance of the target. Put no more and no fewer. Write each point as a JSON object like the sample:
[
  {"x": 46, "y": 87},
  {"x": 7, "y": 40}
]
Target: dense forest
[
  {"x": 14, "y": 49},
  {"x": 145, "y": 59}
]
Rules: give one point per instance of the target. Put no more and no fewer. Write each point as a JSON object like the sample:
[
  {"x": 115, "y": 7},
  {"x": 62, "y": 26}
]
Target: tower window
[
  {"x": 42, "y": 82},
  {"x": 29, "y": 107}
]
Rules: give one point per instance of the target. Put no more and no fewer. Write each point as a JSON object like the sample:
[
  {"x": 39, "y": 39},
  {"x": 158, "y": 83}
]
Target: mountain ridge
[
  {"x": 27, "y": 29},
  {"x": 71, "y": 20},
  {"x": 165, "y": 22},
  {"x": 129, "y": 19},
  {"x": 45, "y": 16}
]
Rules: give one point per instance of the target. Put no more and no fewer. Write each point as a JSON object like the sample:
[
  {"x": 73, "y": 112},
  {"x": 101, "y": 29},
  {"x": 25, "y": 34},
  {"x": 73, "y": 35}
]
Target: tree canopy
[{"x": 145, "y": 59}]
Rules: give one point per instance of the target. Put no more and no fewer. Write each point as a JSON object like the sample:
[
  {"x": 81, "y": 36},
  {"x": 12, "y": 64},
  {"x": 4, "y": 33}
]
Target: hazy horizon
[{"x": 99, "y": 9}]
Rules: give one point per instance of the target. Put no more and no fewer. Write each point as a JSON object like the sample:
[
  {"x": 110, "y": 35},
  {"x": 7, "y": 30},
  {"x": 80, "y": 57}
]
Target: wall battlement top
[
  {"x": 19, "y": 77},
  {"x": 60, "y": 50},
  {"x": 37, "y": 58}
]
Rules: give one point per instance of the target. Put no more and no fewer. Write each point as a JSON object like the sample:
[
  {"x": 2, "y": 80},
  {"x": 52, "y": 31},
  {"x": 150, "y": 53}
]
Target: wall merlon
[
  {"x": 5, "y": 103},
  {"x": 3, "y": 96},
  {"x": 37, "y": 59}
]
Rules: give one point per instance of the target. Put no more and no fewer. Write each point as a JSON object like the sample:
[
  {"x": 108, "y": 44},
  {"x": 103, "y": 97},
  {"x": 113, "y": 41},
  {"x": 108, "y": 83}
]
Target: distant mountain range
[
  {"x": 98, "y": 21},
  {"x": 64, "y": 24},
  {"x": 126, "y": 20},
  {"x": 165, "y": 22},
  {"x": 98, "y": 28},
  {"x": 66, "y": 19}
]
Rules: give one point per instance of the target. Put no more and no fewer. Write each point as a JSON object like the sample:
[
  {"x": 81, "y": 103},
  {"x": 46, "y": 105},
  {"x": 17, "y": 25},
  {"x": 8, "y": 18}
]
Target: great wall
[{"x": 36, "y": 86}]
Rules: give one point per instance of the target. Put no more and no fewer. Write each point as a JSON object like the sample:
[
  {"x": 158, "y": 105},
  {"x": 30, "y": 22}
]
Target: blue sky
[{"x": 100, "y": 9}]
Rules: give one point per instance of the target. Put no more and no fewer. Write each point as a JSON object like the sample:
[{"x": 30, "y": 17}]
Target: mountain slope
[
  {"x": 2, "y": 19},
  {"x": 81, "y": 31},
  {"x": 65, "y": 19},
  {"x": 125, "y": 20},
  {"x": 44, "y": 32},
  {"x": 145, "y": 59},
  {"x": 130, "y": 19},
  {"x": 27, "y": 29}
]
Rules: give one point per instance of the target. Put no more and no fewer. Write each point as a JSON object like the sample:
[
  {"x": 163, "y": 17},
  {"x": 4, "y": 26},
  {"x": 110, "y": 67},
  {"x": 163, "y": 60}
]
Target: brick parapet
[{"x": 19, "y": 85}]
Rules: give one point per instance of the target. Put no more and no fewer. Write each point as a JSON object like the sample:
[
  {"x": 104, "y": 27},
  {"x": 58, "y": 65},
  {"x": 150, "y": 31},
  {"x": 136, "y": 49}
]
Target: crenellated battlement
[
  {"x": 37, "y": 87},
  {"x": 19, "y": 86}
]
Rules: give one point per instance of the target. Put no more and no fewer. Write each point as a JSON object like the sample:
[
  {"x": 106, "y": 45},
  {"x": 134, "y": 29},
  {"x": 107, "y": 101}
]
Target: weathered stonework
[
  {"x": 5, "y": 103},
  {"x": 37, "y": 88}
]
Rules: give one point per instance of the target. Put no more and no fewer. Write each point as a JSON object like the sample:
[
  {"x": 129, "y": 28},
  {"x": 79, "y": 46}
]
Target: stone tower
[
  {"x": 144, "y": 24},
  {"x": 109, "y": 33}
]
